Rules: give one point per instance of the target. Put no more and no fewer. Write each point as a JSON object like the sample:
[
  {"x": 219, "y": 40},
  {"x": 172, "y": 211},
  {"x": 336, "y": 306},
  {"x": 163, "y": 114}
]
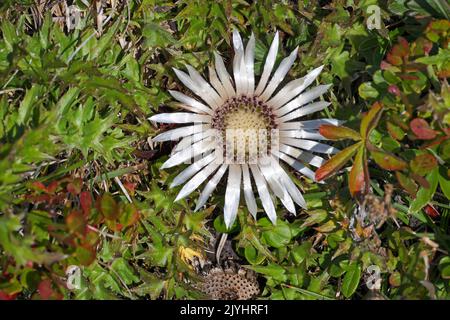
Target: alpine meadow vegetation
[{"x": 106, "y": 106}]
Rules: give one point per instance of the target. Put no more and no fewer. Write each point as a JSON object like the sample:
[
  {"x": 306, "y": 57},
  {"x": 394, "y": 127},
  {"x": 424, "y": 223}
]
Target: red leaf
[
  {"x": 130, "y": 186},
  {"x": 407, "y": 183},
  {"x": 36, "y": 185},
  {"x": 7, "y": 296},
  {"x": 51, "y": 188},
  {"x": 384, "y": 65},
  {"x": 108, "y": 207},
  {"x": 422, "y": 129},
  {"x": 388, "y": 161},
  {"x": 394, "y": 90},
  {"x": 394, "y": 60},
  {"x": 420, "y": 180},
  {"x": 399, "y": 52},
  {"x": 86, "y": 202},
  {"x": 434, "y": 142},
  {"x": 370, "y": 120},
  {"x": 337, "y": 133},
  {"x": 85, "y": 254},
  {"x": 45, "y": 289},
  {"x": 76, "y": 222},
  {"x": 91, "y": 238},
  {"x": 75, "y": 186},
  {"x": 336, "y": 162},
  {"x": 395, "y": 131},
  {"x": 431, "y": 211},
  {"x": 407, "y": 76},
  {"x": 356, "y": 177},
  {"x": 129, "y": 216},
  {"x": 423, "y": 164}
]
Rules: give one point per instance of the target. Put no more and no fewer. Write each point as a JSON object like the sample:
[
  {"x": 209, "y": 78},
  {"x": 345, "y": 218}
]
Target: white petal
[
  {"x": 239, "y": 69},
  {"x": 306, "y": 157},
  {"x": 223, "y": 74},
  {"x": 248, "y": 191},
  {"x": 309, "y": 124},
  {"x": 191, "y": 102},
  {"x": 210, "y": 186},
  {"x": 276, "y": 186},
  {"x": 293, "y": 88},
  {"x": 189, "y": 140},
  {"x": 264, "y": 194},
  {"x": 296, "y": 165},
  {"x": 301, "y": 134},
  {"x": 249, "y": 64},
  {"x": 309, "y": 145},
  {"x": 197, "y": 180},
  {"x": 180, "y": 117},
  {"x": 204, "y": 86},
  {"x": 237, "y": 41},
  {"x": 215, "y": 82},
  {"x": 279, "y": 75},
  {"x": 191, "y": 170},
  {"x": 232, "y": 194},
  {"x": 200, "y": 91},
  {"x": 310, "y": 108},
  {"x": 289, "y": 184},
  {"x": 303, "y": 99},
  {"x": 190, "y": 152},
  {"x": 268, "y": 66},
  {"x": 177, "y": 133}
]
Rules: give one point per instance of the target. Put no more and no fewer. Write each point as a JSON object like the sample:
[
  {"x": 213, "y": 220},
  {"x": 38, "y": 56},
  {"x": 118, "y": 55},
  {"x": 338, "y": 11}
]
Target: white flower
[{"x": 223, "y": 107}]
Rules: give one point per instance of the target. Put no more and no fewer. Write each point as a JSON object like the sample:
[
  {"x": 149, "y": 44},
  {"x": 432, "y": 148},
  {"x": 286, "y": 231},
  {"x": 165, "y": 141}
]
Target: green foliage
[{"x": 80, "y": 183}]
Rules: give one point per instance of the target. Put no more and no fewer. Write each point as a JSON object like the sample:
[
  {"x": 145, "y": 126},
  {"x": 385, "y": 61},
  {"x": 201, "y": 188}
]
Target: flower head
[{"x": 243, "y": 129}]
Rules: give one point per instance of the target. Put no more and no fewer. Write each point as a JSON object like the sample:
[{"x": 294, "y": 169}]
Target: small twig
[
  {"x": 117, "y": 180},
  {"x": 118, "y": 276},
  {"x": 11, "y": 90},
  {"x": 105, "y": 234},
  {"x": 222, "y": 241},
  {"x": 10, "y": 79}
]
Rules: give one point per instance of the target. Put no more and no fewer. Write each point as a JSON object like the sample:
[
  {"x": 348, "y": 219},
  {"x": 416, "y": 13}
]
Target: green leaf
[
  {"x": 108, "y": 207},
  {"x": 351, "y": 280},
  {"x": 406, "y": 182},
  {"x": 356, "y": 177},
  {"x": 423, "y": 164},
  {"x": 444, "y": 182},
  {"x": 424, "y": 195},
  {"x": 370, "y": 120},
  {"x": 253, "y": 255},
  {"x": 156, "y": 36},
  {"x": 444, "y": 267},
  {"x": 338, "y": 133},
  {"x": 388, "y": 161},
  {"x": 366, "y": 91},
  {"x": 278, "y": 235},
  {"x": 124, "y": 271},
  {"x": 28, "y": 102},
  {"x": 336, "y": 162},
  {"x": 301, "y": 252},
  {"x": 272, "y": 270},
  {"x": 315, "y": 216}
]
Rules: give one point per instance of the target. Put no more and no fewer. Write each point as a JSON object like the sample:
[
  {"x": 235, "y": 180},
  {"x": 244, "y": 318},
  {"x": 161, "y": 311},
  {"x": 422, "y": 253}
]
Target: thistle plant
[{"x": 244, "y": 128}]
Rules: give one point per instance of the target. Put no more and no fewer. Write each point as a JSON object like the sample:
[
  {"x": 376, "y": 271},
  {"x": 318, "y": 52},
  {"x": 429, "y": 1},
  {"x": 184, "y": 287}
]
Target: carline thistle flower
[{"x": 244, "y": 128}]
